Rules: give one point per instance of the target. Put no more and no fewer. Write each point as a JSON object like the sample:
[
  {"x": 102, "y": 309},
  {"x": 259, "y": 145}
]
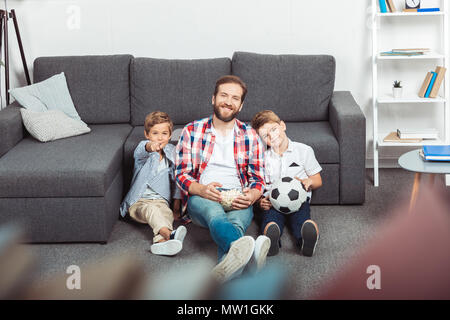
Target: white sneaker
[
  {"x": 179, "y": 233},
  {"x": 236, "y": 259},
  {"x": 262, "y": 246},
  {"x": 167, "y": 248}
]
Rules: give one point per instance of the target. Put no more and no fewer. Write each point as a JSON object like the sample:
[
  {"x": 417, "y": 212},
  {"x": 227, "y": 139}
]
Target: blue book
[
  {"x": 428, "y": 9},
  {"x": 430, "y": 86},
  {"x": 383, "y": 8},
  {"x": 438, "y": 153}
]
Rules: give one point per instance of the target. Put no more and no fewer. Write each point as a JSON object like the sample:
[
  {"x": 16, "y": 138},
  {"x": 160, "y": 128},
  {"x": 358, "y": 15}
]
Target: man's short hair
[
  {"x": 157, "y": 117},
  {"x": 263, "y": 117},
  {"x": 231, "y": 79}
]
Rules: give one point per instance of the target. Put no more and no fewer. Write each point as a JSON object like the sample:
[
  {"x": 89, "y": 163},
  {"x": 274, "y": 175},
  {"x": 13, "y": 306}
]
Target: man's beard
[{"x": 218, "y": 114}]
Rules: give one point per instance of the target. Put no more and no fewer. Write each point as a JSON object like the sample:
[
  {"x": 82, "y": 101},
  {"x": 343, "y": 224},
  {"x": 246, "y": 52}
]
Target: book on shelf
[
  {"x": 401, "y": 53},
  {"x": 430, "y": 86},
  {"x": 440, "y": 71},
  {"x": 391, "y": 6},
  {"x": 436, "y": 153},
  {"x": 422, "y": 10},
  {"x": 393, "y": 137},
  {"x": 423, "y": 50},
  {"x": 428, "y": 9},
  {"x": 425, "y": 85},
  {"x": 429, "y": 133},
  {"x": 383, "y": 8}
]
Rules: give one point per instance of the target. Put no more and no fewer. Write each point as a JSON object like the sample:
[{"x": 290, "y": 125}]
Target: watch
[{"x": 412, "y": 4}]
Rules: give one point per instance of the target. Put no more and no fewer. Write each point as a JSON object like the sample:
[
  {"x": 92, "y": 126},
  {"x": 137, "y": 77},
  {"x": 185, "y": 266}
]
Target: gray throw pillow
[
  {"x": 50, "y": 94},
  {"x": 52, "y": 125}
]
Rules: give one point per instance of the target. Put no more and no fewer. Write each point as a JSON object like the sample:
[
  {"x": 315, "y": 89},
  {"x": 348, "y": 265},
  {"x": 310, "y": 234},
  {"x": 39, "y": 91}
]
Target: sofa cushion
[
  {"x": 99, "y": 85},
  {"x": 50, "y": 94},
  {"x": 296, "y": 87},
  {"x": 82, "y": 166},
  {"x": 319, "y": 136},
  {"x": 52, "y": 125},
  {"x": 182, "y": 88}
]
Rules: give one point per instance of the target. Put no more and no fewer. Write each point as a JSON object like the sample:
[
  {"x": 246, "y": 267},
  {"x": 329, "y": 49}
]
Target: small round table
[{"x": 412, "y": 161}]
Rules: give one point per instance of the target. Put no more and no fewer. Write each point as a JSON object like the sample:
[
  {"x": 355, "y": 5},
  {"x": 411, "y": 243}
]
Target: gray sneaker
[
  {"x": 310, "y": 236},
  {"x": 273, "y": 233},
  {"x": 236, "y": 259}
]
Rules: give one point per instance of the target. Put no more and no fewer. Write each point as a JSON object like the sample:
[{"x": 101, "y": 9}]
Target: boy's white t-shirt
[
  {"x": 221, "y": 166},
  {"x": 149, "y": 193},
  {"x": 297, "y": 161}
]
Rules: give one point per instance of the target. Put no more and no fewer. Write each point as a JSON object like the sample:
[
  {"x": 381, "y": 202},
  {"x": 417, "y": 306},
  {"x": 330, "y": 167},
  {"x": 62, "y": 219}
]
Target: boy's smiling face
[
  {"x": 159, "y": 133},
  {"x": 273, "y": 134}
]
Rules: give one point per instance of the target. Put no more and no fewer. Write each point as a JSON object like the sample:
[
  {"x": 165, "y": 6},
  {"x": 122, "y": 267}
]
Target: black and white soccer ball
[{"x": 287, "y": 195}]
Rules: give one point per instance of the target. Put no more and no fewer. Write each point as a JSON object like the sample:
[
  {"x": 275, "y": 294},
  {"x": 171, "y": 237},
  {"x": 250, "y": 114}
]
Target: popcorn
[{"x": 227, "y": 198}]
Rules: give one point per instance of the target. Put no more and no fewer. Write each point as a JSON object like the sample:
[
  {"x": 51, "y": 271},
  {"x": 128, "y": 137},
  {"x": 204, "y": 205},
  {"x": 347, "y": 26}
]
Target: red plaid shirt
[{"x": 195, "y": 147}]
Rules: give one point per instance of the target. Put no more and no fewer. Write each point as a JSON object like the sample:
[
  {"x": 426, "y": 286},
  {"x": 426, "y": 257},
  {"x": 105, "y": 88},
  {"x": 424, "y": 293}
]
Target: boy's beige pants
[{"x": 154, "y": 212}]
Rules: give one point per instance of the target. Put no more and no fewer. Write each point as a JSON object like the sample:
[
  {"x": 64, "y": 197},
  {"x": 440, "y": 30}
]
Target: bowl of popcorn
[{"x": 228, "y": 197}]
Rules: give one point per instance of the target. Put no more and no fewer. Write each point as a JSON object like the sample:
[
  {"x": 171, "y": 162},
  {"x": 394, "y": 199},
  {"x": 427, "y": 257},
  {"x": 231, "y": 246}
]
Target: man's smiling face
[{"x": 228, "y": 101}]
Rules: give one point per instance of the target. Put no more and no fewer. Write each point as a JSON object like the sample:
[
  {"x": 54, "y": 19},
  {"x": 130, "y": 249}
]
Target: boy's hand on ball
[
  {"x": 306, "y": 182},
  {"x": 265, "y": 203}
]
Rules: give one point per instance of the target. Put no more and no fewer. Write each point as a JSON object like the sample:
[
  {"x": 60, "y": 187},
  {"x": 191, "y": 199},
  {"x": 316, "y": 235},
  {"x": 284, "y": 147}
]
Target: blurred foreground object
[
  {"x": 16, "y": 262},
  {"x": 270, "y": 283},
  {"x": 117, "y": 277},
  {"x": 411, "y": 251}
]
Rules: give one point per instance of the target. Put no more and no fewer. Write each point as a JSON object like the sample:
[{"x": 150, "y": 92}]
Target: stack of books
[
  {"x": 411, "y": 136},
  {"x": 430, "y": 133},
  {"x": 393, "y": 137},
  {"x": 435, "y": 153},
  {"x": 432, "y": 83},
  {"x": 406, "y": 52}
]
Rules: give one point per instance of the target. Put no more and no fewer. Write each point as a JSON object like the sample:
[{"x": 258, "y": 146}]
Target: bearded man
[{"x": 222, "y": 153}]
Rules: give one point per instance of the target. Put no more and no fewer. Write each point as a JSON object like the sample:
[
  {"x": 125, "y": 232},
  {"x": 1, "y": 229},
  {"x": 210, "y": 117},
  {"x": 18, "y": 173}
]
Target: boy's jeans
[
  {"x": 224, "y": 227},
  {"x": 295, "y": 219}
]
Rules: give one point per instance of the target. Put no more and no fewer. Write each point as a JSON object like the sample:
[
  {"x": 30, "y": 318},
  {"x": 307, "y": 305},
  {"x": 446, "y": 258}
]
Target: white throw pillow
[
  {"x": 50, "y": 94},
  {"x": 52, "y": 125}
]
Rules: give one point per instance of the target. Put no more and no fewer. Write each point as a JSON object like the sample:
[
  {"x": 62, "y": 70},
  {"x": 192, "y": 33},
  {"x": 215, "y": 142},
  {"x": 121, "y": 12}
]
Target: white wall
[{"x": 212, "y": 28}]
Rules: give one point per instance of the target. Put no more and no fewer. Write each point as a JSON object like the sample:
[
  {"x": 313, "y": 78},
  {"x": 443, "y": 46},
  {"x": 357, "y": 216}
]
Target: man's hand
[
  {"x": 153, "y": 146},
  {"x": 247, "y": 199},
  {"x": 210, "y": 192},
  {"x": 265, "y": 203}
]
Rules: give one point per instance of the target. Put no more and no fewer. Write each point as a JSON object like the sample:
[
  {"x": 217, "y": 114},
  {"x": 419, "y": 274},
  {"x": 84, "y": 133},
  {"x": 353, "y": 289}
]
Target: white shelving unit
[{"x": 386, "y": 98}]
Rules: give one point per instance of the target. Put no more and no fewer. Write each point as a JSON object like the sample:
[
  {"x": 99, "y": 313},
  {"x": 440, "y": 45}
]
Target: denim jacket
[{"x": 145, "y": 174}]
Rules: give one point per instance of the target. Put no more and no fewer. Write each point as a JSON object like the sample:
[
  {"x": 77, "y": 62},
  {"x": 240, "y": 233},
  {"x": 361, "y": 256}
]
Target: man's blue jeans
[{"x": 224, "y": 227}]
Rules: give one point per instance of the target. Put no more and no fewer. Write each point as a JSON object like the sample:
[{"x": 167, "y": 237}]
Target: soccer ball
[{"x": 287, "y": 195}]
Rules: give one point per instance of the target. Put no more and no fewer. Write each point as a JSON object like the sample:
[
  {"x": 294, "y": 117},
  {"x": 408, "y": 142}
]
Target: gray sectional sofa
[{"x": 70, "y": 190}]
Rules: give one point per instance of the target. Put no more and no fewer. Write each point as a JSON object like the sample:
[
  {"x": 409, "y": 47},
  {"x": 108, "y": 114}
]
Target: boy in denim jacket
[{"x": 152, "y": 186}]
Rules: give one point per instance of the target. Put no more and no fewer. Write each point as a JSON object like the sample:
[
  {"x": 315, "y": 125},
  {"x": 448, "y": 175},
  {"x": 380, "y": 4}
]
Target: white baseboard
[
  {"x": 383, "y": 163},
  {"x": 390, "y": 163}
]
